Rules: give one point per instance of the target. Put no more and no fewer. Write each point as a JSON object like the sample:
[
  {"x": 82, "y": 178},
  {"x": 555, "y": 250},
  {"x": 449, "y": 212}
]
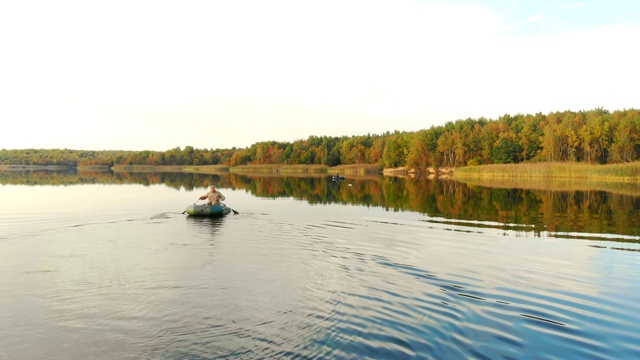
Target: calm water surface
[{"x": 115, "y": 270}]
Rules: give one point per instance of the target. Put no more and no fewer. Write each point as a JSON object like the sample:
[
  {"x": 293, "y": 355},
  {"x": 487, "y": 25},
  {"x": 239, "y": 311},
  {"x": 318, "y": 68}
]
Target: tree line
[{"x": 595, "y": 136}]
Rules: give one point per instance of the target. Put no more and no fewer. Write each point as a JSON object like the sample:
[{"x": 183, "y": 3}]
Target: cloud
[
  {"x": 575, "y": 5},
  {"x": 535, "y": 19}
]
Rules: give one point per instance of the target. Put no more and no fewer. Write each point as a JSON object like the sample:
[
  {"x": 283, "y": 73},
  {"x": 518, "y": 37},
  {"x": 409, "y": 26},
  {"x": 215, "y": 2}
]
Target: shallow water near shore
[{"x": 315, "y": 269}]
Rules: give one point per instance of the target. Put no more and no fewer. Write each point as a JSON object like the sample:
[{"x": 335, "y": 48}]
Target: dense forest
[{"x": 595, "y": 136}]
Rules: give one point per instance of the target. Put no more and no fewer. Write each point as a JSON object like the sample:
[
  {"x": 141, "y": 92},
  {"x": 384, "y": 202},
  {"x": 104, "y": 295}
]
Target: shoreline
[
  {"x": 499, "y": 173},
  {"x": 540, "y": 176},
  {"x": 35, "y": 167},
  {"x": 532, "y": 172}
]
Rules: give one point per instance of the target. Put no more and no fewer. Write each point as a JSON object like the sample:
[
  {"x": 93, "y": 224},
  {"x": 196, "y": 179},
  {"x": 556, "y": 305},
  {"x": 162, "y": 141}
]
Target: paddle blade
[{"x": 225, "y": 204}]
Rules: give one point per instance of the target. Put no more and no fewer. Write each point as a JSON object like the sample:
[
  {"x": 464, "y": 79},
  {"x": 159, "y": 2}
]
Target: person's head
[{"x": 212, "y": 188}]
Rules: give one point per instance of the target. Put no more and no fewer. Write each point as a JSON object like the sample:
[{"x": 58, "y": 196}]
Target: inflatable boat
[{"x": 207, "y": 210}]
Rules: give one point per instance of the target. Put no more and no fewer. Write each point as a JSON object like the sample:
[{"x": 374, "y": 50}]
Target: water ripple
[{"x": 266, "y": 286}]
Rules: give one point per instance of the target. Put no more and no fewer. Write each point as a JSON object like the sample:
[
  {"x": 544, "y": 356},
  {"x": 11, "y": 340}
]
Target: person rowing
[{"x": 213, "y": 196}]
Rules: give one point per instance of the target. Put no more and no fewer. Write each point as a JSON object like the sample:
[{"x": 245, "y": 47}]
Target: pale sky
[{"x": 155, "y": 75}]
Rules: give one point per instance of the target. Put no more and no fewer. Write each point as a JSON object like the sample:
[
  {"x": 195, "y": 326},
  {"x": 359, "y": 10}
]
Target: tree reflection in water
[{"x": 537, "y": 210}]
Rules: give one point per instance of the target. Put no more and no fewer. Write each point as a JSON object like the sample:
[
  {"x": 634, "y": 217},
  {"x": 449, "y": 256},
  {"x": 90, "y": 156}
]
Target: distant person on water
[{"x": 213, "y": 196}]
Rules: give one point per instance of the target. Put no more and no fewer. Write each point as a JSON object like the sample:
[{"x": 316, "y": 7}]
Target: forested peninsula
[{"x": 595, "y": 136}]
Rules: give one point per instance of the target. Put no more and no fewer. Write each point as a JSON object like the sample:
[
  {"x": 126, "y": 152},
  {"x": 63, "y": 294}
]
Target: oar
[{"x": 225, "y": 204}]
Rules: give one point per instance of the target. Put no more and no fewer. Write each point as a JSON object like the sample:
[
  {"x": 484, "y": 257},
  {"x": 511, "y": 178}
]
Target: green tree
[{"x": 396, "y": 149}]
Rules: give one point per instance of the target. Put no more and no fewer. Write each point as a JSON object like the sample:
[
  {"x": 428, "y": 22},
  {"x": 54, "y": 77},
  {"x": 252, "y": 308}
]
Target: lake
[{"x": 106, "y": 266}]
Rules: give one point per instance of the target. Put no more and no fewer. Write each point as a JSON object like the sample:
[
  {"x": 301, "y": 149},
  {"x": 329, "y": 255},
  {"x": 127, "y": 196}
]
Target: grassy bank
[
  {"x": 557, "y": 184},
  {"x": 353, "y": 170},
  {"x": 33, "y": 167},
  {"x": 616, "y": 178},
  {"x": 531, "y": 172},
  {"x": 205, "y": 169},
  {"x": 359, "y": 169},
  {"x": 283, "y": 169},
  {"x": 629, "y": 172}
]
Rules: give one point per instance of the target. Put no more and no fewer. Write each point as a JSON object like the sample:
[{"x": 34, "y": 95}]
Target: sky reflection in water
[{"x": 311, "y": 268}]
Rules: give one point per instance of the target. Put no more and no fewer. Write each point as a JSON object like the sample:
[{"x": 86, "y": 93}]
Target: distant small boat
[{"x": 207, "y": 210}]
